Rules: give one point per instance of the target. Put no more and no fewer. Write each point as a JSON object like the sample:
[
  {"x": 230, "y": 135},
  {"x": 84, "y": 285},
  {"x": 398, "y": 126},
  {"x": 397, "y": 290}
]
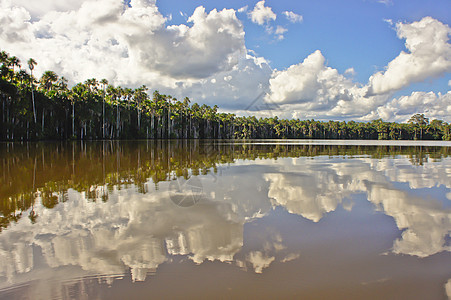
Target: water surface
[{"x": 215, "y": 219}]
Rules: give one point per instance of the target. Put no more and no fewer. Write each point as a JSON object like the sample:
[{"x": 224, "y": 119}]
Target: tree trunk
[
  {"x": 32, "y": 100},
  {"x": 32, "y": 97},
  {"x": 152, "y": 123}
]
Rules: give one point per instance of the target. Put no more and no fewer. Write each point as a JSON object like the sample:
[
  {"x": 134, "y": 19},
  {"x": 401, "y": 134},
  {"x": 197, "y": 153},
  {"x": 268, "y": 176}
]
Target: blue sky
[
  {"x": 350, "y": 33},
  {"x": 322, "y": 66}
]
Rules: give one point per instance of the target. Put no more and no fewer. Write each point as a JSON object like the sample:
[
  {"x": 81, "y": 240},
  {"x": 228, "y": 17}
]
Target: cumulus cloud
[
  {"x": 305, "y": 81},
  {"x": 104, "y": 36},
  {"x": 312, "y": 89},
  {"x": 197, "y": 51},
  {"x": 132, "y": 45},
  {"x": 207, "y": 60},
  {"x": 40, "y": 8},
  {"x": 434, "y": 106},
  {"x": 429, "y": 55},
  {"x": 232, "y": 89},
  {"x": 262, "y": 14},
  {"x": 293, "y": 17}
]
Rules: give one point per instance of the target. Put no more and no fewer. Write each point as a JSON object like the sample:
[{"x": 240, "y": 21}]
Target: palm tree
[
  {"x": 31, "y": 64},
  {"x": 48, "y": 79},
  {"x": 119, "y": 93},
  {"x": 14, "y": 62}
]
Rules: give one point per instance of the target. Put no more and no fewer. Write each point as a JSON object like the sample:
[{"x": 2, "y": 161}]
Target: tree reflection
[
  {"x": 46, "y": 171},
  {"x": 119, "y": 219}
]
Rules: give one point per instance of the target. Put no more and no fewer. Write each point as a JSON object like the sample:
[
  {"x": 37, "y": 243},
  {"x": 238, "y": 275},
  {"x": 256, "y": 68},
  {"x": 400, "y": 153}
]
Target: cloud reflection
[
  {"x": 131, "y": 230},
  {"x": 320, "y": 187},
  {"x": 139, "y": 232}
]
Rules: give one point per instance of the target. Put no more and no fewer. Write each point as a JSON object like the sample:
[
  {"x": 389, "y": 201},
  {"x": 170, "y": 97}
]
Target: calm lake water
[{"x": 221, "y": 220}]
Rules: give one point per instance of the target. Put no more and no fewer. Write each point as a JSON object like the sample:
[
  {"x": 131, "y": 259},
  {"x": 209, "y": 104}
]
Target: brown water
[{"x": 209, "y": 220}]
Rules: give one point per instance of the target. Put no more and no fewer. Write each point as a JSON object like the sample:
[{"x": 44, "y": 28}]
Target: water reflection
[
  {"x": 321, "y": 186},
  {"x": 77, "y": 210}
]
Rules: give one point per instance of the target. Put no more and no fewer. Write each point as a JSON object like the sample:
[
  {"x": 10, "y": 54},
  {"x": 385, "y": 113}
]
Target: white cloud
[
  {"x": 232, "y": 89},
  {"x": 298, "y": 83},
  {"x": 350, "y": 72},
  {"x": 429, "y": 56},
  {"x": 39, "y": 8},
  {"x": 311, "y": 89},
  {"x": 434, "y": 106},
  {"x": 243, "y": 9},
  {"x": 388, "y": 21},
  {"x": 293, "y": 17},
  {"x": 128, "y": 45},
  {"x": 262, "y": 14},
  {"x": 206, "y": 58},
  {"x": 133, "y": 45},
  {"x": 280, "y": 31}
]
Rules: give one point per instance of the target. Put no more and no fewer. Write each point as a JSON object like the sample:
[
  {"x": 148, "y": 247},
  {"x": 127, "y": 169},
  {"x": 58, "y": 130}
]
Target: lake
[{"x": 223, "y": 219}]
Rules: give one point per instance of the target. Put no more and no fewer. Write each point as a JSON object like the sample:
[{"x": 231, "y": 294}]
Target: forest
[{"x": 47, "y": 109}]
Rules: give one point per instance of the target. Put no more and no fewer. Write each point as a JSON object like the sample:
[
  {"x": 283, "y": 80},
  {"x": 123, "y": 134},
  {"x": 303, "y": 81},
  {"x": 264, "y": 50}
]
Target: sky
[{"x": 324, "y": 60}]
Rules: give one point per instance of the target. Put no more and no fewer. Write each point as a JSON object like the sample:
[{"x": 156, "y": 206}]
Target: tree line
[{"x": 47, "y": 109}]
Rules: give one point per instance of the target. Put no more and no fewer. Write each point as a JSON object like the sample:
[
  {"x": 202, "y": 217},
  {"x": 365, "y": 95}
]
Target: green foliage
[{"x": 47, "y": 109}]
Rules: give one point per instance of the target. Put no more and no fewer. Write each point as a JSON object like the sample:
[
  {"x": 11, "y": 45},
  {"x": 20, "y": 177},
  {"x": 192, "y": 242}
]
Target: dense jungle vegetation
[{"x": 47, "y": 109}]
